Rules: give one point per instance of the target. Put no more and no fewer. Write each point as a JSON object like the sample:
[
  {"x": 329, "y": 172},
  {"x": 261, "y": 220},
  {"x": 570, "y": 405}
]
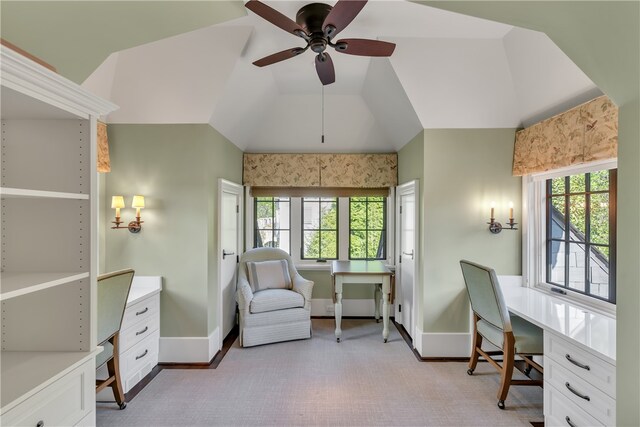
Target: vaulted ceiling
[{"x": 448, "y": 71}]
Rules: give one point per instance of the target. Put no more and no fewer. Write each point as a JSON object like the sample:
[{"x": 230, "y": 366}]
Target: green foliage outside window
[
  {"x": 320, "y": 228},
  {"x": 367, "y": 228}
]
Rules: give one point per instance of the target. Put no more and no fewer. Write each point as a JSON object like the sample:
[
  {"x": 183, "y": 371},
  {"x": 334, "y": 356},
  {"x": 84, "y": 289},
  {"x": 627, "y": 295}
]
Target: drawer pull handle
[
  {"x": 577, "y": 393},
  {"x": 147, "y": 351},
  {"x": 146, "y": 328},
  {"x": 40, "y": 424},
  {"x": 568, "y": 420},
  {"x": 578, "y": 364},
  {"x": 138, "y": 313}
]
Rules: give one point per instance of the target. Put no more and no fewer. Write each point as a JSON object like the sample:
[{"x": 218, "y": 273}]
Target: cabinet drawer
[
  {"x": 140, "y": 311},
  {"x": 136, "y": 333},
  {"x": 63, "y": 403},
  {"x": 560, "y": 411},
  {"x": 582, "y": 363},
  {"x": 593, "y": 401},
  {"x": 140, "y": 355}
]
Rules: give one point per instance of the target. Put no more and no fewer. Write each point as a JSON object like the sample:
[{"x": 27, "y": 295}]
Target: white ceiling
[{"x": 448, "y": 71}]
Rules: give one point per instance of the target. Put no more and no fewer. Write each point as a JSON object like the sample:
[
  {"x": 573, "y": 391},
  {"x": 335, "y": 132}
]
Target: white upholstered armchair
[{"x": 273, "y": 299}]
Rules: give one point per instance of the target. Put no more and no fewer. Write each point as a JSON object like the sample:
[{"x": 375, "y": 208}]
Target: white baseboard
[
  {"x": 442, "y": 344},
  {"x": 350, "y": 307},
  {"x": 189, "y": 349}
]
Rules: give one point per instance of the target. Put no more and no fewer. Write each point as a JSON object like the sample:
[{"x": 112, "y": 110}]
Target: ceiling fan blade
[
  {"x": 365, "y": 47},
  {"x": 280, "y": 56},
  {"x": 276, "y": 18},
  {"x": 341, "y": 15},
  {"x": 324, "y": 67}
]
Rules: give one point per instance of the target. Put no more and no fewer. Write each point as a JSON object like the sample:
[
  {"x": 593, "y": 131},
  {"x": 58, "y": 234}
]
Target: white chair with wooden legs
[
  {"x": 512, "y": 334},
  {"x": 113, "y": 291}
]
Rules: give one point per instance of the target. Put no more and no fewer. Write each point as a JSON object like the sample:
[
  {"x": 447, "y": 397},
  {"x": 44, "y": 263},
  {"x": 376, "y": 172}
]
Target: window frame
[
  {"x": 343, "y": 224},
  {"x": 367, "y": 229},
  {"x": 255, "y": 228},
  {"x": 320, "y": 230},
  {"x": 587, "y": 243},
  {"x": 534, "y": 220}
]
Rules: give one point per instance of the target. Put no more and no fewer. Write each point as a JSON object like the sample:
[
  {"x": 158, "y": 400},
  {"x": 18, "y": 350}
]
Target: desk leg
[
  {"x": 386, "y": 292},
  {"x": 338, "y": 314},
  {"x": 377, "y": 296}
]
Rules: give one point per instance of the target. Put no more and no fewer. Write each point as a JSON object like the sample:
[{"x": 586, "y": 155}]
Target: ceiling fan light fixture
[{"x": 318, "y": 23}]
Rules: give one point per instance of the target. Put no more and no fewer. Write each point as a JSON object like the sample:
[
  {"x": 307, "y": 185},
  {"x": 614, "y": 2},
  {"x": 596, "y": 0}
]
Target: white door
[
  {"x": 407, "y": 233},
  {"x": 230, "y": 238}
]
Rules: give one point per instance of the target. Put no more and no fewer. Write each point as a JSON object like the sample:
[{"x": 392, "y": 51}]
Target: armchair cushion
[
  {"x": 275, "y": 299},
  {"x": 528, "y": 336},
  {"x": 272, "y": 274}
]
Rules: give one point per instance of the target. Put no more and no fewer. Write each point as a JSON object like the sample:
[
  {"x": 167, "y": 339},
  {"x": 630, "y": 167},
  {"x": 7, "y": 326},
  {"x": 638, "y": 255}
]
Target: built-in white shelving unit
[{"x": 48, "y": 239}]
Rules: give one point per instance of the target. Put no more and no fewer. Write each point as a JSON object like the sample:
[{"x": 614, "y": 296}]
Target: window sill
[
  {"x": 317, "y": 266},
  {"x": 588, "y": 303}
]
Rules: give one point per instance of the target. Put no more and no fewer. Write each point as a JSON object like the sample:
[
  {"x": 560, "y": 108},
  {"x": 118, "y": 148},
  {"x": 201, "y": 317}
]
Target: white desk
[
  {"x": 579, "y": 357},
  {"x": 594, "y": 332},
  {"x": 361, "y": 272}
]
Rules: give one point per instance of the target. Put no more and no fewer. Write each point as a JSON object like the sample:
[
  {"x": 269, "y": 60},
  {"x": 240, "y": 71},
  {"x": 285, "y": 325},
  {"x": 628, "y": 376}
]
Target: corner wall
[
  {"x": 176, "y": 168},
  {"x": 461, "y": 172}
]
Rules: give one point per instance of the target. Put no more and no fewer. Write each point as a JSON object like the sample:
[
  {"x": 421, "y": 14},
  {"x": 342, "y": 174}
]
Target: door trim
[
  {"x": 411, "y": 187},
  {"x": 225, "y": 186}
]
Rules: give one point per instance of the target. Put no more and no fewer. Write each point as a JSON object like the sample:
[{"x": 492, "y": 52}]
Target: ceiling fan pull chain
[{"x": 322, "y": 140}]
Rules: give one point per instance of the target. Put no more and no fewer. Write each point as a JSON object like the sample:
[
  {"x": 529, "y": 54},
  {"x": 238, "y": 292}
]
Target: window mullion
[
  {"x": 587, "y": 237},
  {"x": 567, "y": 229}
]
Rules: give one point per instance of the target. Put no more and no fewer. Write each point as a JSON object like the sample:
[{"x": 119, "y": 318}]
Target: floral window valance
[
  {"x": 321, "y": 170},
  {"x": 104, "y": 163},
  {"x": 583, "y": 134}
]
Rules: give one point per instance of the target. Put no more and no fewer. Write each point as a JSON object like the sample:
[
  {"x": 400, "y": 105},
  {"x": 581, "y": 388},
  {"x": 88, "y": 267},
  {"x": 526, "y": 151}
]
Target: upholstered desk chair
[
  {"x": 113, "y": 291},
  {"x": 512, "y": 334},
  {"x": 274, "y": 301}
]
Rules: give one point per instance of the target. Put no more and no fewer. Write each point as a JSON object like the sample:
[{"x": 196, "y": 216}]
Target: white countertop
[
  {"x": 593, "y": 331},
  {"x": 143, "y": 287}
]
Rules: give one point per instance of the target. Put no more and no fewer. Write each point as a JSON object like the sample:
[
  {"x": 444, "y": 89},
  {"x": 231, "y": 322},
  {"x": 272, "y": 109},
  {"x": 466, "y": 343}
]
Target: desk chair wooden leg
[
  {"x": 113, "y": 366},
  {"x": 477, "y": 344},
  {"x": 507, "y": 367}
]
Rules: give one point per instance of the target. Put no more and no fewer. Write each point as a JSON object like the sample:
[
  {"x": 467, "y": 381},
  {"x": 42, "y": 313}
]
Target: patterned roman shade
[
  {"x": 104, "y": 164},
  {"x": 583, "y": 134},
  {"x": 321, "y": 171}
]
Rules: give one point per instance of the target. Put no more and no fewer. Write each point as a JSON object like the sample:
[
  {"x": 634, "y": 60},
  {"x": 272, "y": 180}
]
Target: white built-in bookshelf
[{"x": 48, "y": 244}]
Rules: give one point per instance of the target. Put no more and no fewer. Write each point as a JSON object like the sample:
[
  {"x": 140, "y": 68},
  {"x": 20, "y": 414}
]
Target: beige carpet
[{"x": 358, "y": 382}]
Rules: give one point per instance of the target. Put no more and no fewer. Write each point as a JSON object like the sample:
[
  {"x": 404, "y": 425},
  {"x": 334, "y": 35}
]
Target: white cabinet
[
  {"x": 579, "y": 386},
  {"x": 48, "y": 240},
  {"x": 139, "y": 334}
]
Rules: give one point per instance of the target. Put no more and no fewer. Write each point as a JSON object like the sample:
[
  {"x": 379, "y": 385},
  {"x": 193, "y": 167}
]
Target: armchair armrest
[
  {"x": 244, "y": 294},
  {"x": 304, "y": 287}
]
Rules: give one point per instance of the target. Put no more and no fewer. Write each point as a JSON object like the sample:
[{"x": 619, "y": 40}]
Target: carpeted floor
[{"x": 358, "y": 382}]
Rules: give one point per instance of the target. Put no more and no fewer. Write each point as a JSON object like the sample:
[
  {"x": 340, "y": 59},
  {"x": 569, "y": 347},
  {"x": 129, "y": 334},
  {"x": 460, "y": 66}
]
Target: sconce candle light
[
  {"x": 495, "y": 227},
  {"x": 117, "y": 202}
]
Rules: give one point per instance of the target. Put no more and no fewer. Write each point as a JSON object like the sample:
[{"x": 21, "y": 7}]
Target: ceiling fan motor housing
[{"x": 311, "y": 18}]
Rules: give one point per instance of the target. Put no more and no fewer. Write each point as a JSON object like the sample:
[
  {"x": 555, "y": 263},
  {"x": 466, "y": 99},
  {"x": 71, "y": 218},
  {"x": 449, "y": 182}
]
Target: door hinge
[
  {"x": 400, "y": 209},
  {"x": 237, "y": 259},
  {"x": 400, "y": 259},
  {"x": 399, "y": 308},
  {"x": 237, "y": 208}
]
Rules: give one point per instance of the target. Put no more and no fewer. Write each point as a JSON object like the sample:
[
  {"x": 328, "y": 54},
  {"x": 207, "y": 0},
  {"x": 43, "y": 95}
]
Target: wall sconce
[
  {"x": 117, "y": 202},
  {"x": 495, "y": 227}
]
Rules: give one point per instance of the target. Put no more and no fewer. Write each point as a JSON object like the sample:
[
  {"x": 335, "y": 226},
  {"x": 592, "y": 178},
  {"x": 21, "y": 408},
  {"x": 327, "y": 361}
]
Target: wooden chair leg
[
  {"x": 507, "y": 367},
  {"x": 477, "y": 344},
  {"x": 113, "y": 366}
]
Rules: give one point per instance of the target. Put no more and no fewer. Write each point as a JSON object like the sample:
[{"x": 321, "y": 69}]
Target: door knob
[
  {"x": 408, "y": 253},
  {"x": 225, "y": 254}
]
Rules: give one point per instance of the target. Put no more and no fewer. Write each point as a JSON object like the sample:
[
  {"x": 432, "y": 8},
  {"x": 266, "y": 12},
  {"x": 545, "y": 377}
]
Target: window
[
  {"x": 367, "y": 219},
  {"x": 580, "y": 233},
  {"x": 272, "y": 223},
  {"x": 319, "y": 228}
]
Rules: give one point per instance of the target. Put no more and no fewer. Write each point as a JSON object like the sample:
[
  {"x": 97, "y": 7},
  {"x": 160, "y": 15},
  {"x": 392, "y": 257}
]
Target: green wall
[
  {"x": 176, "y": 168},
  {"x": 77, "y": 36},
  {"x": 411, "y": 167},
  {"x": 628, "y": 267},
  {"x": 464, "y": 170}
]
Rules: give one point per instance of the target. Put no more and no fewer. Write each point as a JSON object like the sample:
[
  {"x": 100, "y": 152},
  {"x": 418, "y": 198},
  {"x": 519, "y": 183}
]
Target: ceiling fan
[{"x": 318, "y": 24}]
